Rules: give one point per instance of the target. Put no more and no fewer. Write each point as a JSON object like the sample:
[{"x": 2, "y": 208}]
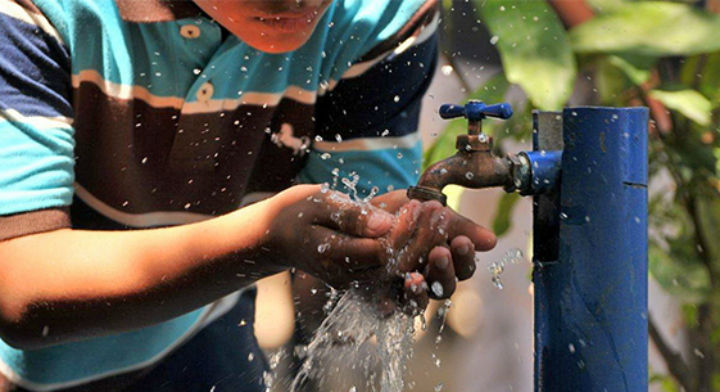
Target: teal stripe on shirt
[
  {"x": 386, "y": 169},
  {"x": 35, "y": 178},
  {"x": 349, "y": 29},
  {"x": 93, "y": 357}
]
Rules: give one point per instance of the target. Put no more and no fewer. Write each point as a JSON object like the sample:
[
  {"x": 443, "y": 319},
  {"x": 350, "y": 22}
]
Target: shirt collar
[{"x": 150, "y": 11}]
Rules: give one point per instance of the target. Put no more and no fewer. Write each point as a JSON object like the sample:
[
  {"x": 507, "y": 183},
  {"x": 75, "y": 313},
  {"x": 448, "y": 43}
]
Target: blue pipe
[
  {"x": 591, "y": 290},
  {"x": 544, "y": 170}
]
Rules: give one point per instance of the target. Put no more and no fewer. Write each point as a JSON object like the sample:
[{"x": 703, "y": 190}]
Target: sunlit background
[{"x": 487, "y": 341}]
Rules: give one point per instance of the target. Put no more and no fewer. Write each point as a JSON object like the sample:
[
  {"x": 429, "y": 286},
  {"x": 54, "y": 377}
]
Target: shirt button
[
  {"x": 190, "y": 31},
  {"x": 205, "y": 92}
]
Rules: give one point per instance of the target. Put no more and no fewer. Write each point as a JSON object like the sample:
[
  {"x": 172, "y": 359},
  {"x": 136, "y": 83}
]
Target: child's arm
[{"x": 68, "y": 284}]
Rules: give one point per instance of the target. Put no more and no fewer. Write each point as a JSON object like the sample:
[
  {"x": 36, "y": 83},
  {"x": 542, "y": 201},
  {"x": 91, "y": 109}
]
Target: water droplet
[
  {"x": 251, "y": 356},
  {"x": 494, "y": 39},
  {"x": 469, "y": 175},
  {"x": 437, "y": 289},
  {"x": 397, "y": 98},
  {"x": 325, "y": 156},
  {"x": 322, "y": 248},
  {"x": 571, "y": 348}
]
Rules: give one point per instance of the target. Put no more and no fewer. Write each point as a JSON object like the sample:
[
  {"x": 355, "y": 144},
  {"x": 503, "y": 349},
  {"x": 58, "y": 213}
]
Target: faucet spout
[
  {"x": 474, "y": 169},
  {"x": 474, "y": 165}
]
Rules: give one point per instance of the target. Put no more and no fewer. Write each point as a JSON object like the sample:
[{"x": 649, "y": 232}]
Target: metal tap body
[{"x": 474, "y": 165}]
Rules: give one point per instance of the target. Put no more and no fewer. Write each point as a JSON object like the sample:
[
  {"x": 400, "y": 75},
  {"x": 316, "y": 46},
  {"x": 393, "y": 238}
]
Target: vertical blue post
[{"x": 591, "y": 302}]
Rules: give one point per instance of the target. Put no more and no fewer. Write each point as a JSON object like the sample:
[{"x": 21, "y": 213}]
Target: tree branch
[{"x": 674, "y": 361}]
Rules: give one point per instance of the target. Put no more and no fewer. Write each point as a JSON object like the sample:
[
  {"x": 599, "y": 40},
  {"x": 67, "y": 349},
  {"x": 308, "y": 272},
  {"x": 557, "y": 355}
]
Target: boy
[{"x": 132, "y": 133}]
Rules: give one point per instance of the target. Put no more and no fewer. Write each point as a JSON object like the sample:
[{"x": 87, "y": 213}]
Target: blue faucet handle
[{"x": 476, "y": 111}]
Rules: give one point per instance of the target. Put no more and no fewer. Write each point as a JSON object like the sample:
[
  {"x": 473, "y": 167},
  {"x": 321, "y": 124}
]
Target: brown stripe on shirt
[
  {"x": 33, "y": 222},
  {"x": 137, "y": 158}
]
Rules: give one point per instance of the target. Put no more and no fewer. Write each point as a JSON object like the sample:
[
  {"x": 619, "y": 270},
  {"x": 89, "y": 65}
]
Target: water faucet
[{"x": 474, "y": 165}]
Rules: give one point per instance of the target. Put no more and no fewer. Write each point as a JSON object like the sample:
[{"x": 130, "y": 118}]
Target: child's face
[{"x": 273, "y": 26}]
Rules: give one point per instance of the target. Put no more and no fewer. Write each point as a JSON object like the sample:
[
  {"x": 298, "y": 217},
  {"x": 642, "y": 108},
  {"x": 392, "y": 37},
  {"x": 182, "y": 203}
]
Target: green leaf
[
  {"x": 688, "y": 282},
  {"x": 687, "y": 102},
  {"x": 673, "y": 256},
  {"x": 605, "y": 6},
  {"x": 610, "y": 82},
  {"x": 709, "y": 223},
  {"x": 703, "y": 71},
  {"x": 444, "y": 146},
  {"x": 666, "y": 382},
  {"x": 503, "y": 215},
  {"x": 636, "y": 68},
  {"x": 651, "y": 28},
  {"x": 534, "y": 49}
]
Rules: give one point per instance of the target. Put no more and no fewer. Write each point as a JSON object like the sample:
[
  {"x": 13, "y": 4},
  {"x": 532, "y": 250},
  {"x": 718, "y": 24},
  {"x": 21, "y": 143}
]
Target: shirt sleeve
[
  {"x": 367, "y": 124},
  {"x": 36, "y": 134}
]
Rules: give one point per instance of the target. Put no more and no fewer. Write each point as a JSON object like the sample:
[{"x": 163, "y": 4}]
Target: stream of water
[{"x": 355, "y": 336}]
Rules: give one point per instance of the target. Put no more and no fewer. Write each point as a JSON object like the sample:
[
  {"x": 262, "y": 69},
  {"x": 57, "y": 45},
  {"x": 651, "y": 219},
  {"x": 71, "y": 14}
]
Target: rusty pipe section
[
  {"x": 474, "y": 165},
  {"x": 470, "y": 169}
]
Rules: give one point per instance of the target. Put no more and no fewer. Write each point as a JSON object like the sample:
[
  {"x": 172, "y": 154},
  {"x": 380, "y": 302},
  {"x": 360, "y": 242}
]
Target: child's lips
[{"x": 289, "y": 22}]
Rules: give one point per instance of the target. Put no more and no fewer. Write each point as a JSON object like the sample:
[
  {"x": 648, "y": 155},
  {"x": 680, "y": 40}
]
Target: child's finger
[
  {"x": 338, "y": 211},
  {"x": 440, "y": 273},
  {"x": 463, "y": 256}
]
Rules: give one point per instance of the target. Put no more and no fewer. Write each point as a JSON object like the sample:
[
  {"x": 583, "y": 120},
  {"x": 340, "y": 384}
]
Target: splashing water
[
  {"x": 344, "y": 337},
  {"x": 496, "y": 268},
  {"x": 351, "y": 184}
]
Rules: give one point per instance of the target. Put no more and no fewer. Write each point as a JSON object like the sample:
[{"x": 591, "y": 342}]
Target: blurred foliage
[
  {"x": 661, "y": 54},
  {"x": 503, "y": 215},
  {"x": 651, "y": 28},
  {"x": 534, "y": 48}
]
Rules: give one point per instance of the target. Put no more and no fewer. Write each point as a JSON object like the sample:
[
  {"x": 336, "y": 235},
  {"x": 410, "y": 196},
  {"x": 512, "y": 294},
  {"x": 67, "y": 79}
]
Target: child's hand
[
  {"x": 326, "y": 234},
  {"x": 424, "y": 247},
  {"x": 433, "y": 246}
]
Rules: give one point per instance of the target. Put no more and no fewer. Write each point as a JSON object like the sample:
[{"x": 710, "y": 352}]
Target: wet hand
[
  {"x": 326, "y": 234},
  {"x": 433, "y": 245}
]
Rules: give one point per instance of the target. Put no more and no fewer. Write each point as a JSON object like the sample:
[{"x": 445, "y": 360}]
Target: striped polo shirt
[{"x": 119, "y": 114}]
